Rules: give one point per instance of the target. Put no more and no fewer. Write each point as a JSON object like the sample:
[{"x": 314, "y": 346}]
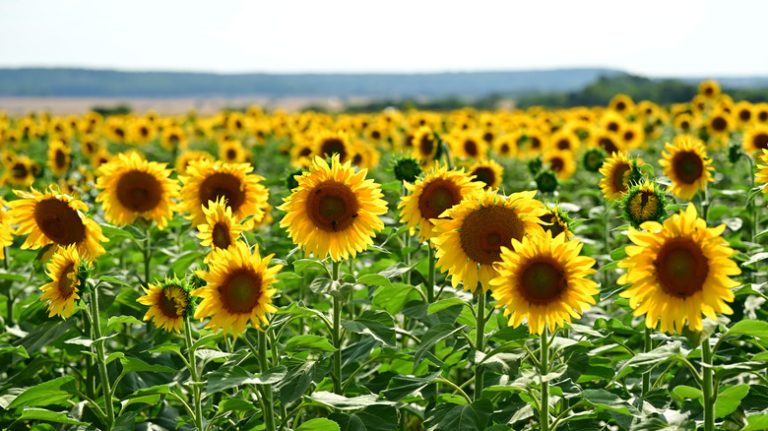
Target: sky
[{"x": 654, "y": 38}]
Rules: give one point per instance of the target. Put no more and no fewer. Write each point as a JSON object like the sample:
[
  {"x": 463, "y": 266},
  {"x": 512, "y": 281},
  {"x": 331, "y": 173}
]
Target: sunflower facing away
[
  {"x": 169, "y": 303},
  {"x": 687, "y": 165},
  {"x": 470, "y": 235},
  {"x": 62, "y": 291},
  {"x": 237, "y": 289},
  {"x": 333, "y": 210},
  {"x": 429, "y": 197},
  {"x": 220, "y": 230},
  {"x": 131, "y": 187},
  {"x": 55, "y": 218},
  {"x": 677, "y": 271},
  {"x": 208, "y": 181},
  {"x": 543, "y": 280}
]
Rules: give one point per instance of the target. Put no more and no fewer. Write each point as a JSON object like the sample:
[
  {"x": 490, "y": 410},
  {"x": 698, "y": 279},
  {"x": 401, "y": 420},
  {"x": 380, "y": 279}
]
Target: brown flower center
[
  {"x": 557, "y": 164},
  {"x": 620, "y": 177},
  {"x": 333, "y": 146},
  {"x": 241, "y": 291},
  {"x": 60, "y": 159},
  {"x": 66, "y": 285},
  {"x": 167, "y": 303},
  {"x": 681, "y": 267},
  {"x": 220, "y": 235},
  {"x": 332, "y": 206},
  {"x": 760, "y": 141},
  {"x": 470, "y": 147},
  {"x": 20, "y": 170},
  {"x": 486, "y": 230},
  {"x": 139, "y": 191},
  {"x": 542, "y": 281},
  {"x": 437, "y": 196},
  {"x": 222, "y": 184},
  {"x": 552, "y": 224},
  {"x": 59, "y": 222},
  {"x": 688, "y": 166},
  {"x": 486, "y": 175},
  {"x": 427, "y": 145},
  {"x": 745, "y": 115},
  {"x": 608, "y": 145},
  {"x": 563, "y": 144},
  {"x": 719, "y": 124}
]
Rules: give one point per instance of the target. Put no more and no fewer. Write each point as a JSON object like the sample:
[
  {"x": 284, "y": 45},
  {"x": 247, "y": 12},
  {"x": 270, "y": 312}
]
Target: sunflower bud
[
  {"x": 535, "y": 165},
  {"x": 407, "y": 169},
  {"x": 644, "y": 202},
  {"x": 546, "y": 181},
  {"x": 170, "y": 302},
  {"x": 593, "y": 159},
  {"x": 734, "y": 152}
]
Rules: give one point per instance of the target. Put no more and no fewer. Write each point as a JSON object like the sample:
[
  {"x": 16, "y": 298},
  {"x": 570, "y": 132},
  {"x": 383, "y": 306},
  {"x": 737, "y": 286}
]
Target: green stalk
[
  {"x": 147, "y": 253},
  {"x": 100, "y": 357},
  {"x": 336, "y": 336},
  {"x": 647, "y": 347},
  {"x": 431, "y": 275},
  {"x": 707, "y": 387},
  {"x": 9, "y": 303},
  {"x": 269, "y": 412},
  {"x": 479, "y": 343},
  {"x": 543, "y": 371},
  {"x": 195, "y": 374},
  {"x": 606, "y": 240}
]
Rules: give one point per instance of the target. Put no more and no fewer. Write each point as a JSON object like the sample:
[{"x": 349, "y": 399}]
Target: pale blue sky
[{"x": 658, "y": 38}]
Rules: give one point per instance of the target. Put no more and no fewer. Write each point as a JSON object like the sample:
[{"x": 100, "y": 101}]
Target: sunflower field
[{"x": 590, "y": 268}]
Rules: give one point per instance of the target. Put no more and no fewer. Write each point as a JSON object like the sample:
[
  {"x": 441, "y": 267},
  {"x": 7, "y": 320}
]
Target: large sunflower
[
  {"x": 470, "y": 236},
  {"x": 544, "y": 281},
  {"x": 686, "y": 164},
  {"x": 677, "y": 271},
  {"x": 220, "y": 230},
  {"x": 429, "y": 197},
  {"x": 238, "y": 289},
  {"x": 132, "y": 187},
  {"x": 62, "y": 291},
  {"x": 333, "y": 210},
  {"x": 169, "y": 303},
  {"x": 208, "y": 181},
  {"x": 55, "y": 218}
]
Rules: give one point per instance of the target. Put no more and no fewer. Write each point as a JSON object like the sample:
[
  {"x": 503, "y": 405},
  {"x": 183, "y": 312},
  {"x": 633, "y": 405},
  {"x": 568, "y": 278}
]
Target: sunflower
[
  {"x": 616, "y": 172},
  {"x": 220, "y": 230},
  {"x": 743, "y": 113},
  {"x": 55, "y": 218},
  {"x": 19, "y": 171},
  {"x": 543, "y": 280},
  {"x": 687, "y": 165},
  {"x": 207, "y": 181},
  {"x": 62, "y": 291},
  {"x": 489, "y": 172},
  {"x": 333, "y": 210},
  {"x": 169, "y": 304},
  {"x": 429, "y": 197},
  {"x": 329, "y": 143},
  {"x": 677, "y": 271},
  {"x": 564, "y": 140},
  {"x": 173, "y": 138},
  {"x": 232, "y": 151},
  {"x": 556, "y": 221},
  {"x": 622, "y": 104},
  {"x": 132, "y": 187},
  {"x": 237, "y": 290},
  {"x": 644, "y": 202},
  {"x": 755, "y": 139},
  {"x": 562, "y": 163},
  {"x": 469, "y": 145},
  {"x": 761, "y": 177},
  {"x": 188, "y": 157},
  {"x": 425, "y": 146},
  {"x": 470, "y": 235},
  {"x": 608, "y": 141},
  {"x": 505, "y": 145},
  {"x": 709, "y": 89},
  {"x": 719, "y": 125},
  {"x": 59, "y": 157}
]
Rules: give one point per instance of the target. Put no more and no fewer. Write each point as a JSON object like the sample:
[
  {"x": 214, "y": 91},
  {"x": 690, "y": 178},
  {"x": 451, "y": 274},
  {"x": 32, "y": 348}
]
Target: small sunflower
[
  {"x": 232, "y": 151},
  {"x": 131, "y": 187},
  {"x": 687, "y": 165},
  {"x": 616, "y": 172},
  {"x": 562, "y": 163},
  {"x": 755, "y": 139},
  {"x": 709, "y": 89},
  {"x": 19, "y": 171},
  {"x": 220, "y": 230},
  {"x": 59, "y": 157},
  {"x": 489, "y": 172},
  {"x": 470, "y": 145},
  {"x": 431, "y": 196},
  {"x": 169, "y": 304},
  {"x": 677, "y": 271},
  {"x": 425, "y": 146},
  {"x": 186, "y": 158},
  {"x": 55, "y": 218},
  {"x": 470, "y": 235},
  {"x": 62, "y": 291},
  {"x": 544, "y": 281},
  {"x": 556, "y": 221},
  {"x": 329, "y": 143},
  {"x": 644, "y": 202},
  {"x": 237, "y": 290},
  {"x": 208, "y": 181},
  {"x": 334, "y": 210}
]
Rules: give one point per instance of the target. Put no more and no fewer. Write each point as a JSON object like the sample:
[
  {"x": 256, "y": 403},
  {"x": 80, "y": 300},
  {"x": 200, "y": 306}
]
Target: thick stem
[
  {"x": 647, "y": 347},
  {"x": 480, "y": 343},
  {"x": 431, "y": 275},
  {"x": 606, "y": 240},
  {"x": 195, "y": 374},
  {"x": 9, "y": 302},
  {"x": 147, "y": 254},
  {"x": 336, "y": 336},
  {"x": 101, "y": 358},
  {"x": 543, "y": 371},
  {"x": 269, "y": 411},
  {"x": 707, "y": 388}
]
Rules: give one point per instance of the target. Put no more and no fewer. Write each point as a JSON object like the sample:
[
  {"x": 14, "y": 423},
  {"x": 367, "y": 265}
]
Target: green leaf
[
  {"x": 374, "y": 280},
  {"x": 309, "y": 342},
  {"x": 136, "y": 365},
  {"x": 48, "y": 393},
  {"x": 753, "y": 328},
  {"x": 319, "y": 424},
  {"x": 601, "y": 398},
  {"x": 341, "y": 402},
  {"x": 433, "y": 336},
  {"x": 757, "y": 257},
  {"x": 222, "y": 380},
  {"x": 729, "y": 399},
  {"x": 756, "y": 423},
  {"x": 38, "y": 414},
  {"x": 373, "y": 418},
  {"x": 442, "y": 304},
  {"x": 683, "y": 391},
  {"x": 470, "y": 417},
  {"x": 181, "y": 264},
  {"x": 394, "y": 297},
  {"x": 116, "y": 321},
  {"x": 401, "y": 386},
  {"x": 377, "y": 324}
]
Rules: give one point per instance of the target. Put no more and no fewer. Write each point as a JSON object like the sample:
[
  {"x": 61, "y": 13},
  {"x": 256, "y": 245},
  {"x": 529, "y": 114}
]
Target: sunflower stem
[
  {"x": 336, "y": 293},
  {"x": 195, "y": 374},
  {"x": 543, "y": 371},
  {"x": 606, "y": 241},
  {"x": 98, "y": 343},
  {"x": 431, "y": 275},
  {"x": 147, "y": 253},
  {"x": 707, "y": 387},
  {"x": 269, "y": 412},
  {"x": 647, "y": 347},
  {"x": 479, "y": 344},
  {"x": 9, "y": 302}
]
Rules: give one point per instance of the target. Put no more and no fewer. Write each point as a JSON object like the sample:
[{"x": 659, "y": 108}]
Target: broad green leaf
[
  {"x": 309, "y": 342},
  {"x": 401, "y": 386},
  {"x": 683, "y": 391},
  {"x": 373, "y": 418},
  {"x": 377, "y": 324},
  {"x": 136, "y": 365},
  {"x": 116, "y": 321},
  {"x": 442, "y": 304},
  {"x": 224, "y": 379},
  {"x": 729, "y": 399},
  {"x": 341, "y": 402},
  {"x": 319, "y": 424},
  {"x": 753, "y": 328},
  {"x": 38, "y": 414},
  {"x": 601, "y": 398},
  {"x": 52, "y": 392},
  {"x": 756, "y": 423}
]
